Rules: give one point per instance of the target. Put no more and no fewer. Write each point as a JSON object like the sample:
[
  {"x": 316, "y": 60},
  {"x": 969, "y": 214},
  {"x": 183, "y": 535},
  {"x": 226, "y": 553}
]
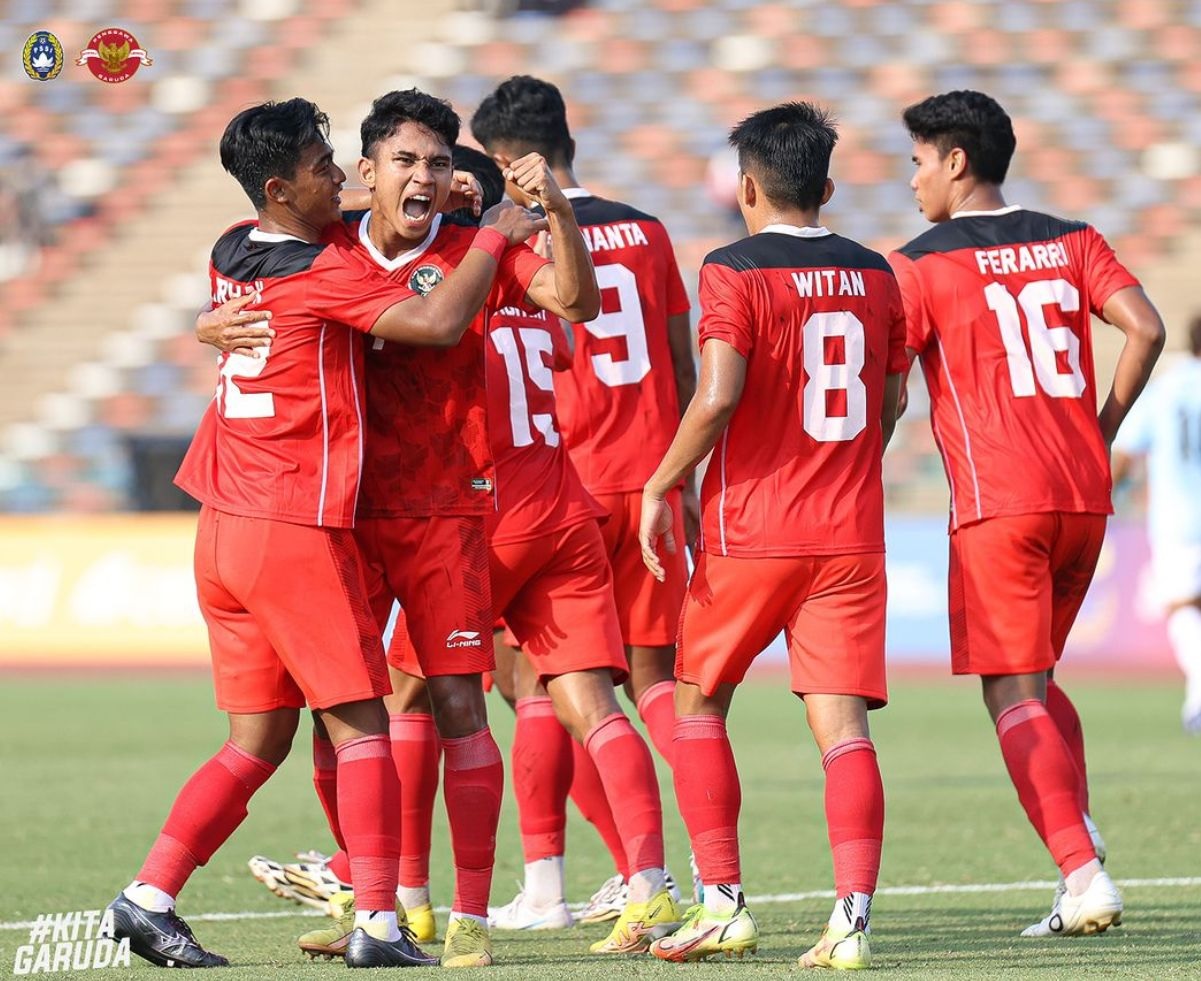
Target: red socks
[
  {"x": 472, "y": 786},
  {"x": 628, "y": 774},
  {"x": 709, "y": 796},
  {"x": 1047, "y": 782},
  {"x": 368, "y": 800},
  {"x": 416, "y": 749},
  {"x": 542, "y": 771},
  {"x": 325, "y": 782},
  {"x": 588, "y": 794},
  {"x": 854, "y": 815},
  {"x": 207, "y": 810},
  {"x": 1067, "y": 720},
  {"x": 657, "y": 709}
]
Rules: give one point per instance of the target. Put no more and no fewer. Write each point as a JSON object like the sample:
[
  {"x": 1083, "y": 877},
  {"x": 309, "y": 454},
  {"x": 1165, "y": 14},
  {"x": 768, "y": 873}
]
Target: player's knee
[{"x": 458, "y": 704}]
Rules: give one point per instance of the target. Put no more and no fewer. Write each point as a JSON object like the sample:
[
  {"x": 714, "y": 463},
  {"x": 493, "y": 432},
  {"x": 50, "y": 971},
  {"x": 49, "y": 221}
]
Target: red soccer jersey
[
  {"x": 427, "y": 447},
  {"x": 538, "y": 489},
  {"x": 998, "y": 309},
  {"x": 283, "y": 437},
  {"x": 618, "y": 403},
  {"x": 819, "y": 320}
]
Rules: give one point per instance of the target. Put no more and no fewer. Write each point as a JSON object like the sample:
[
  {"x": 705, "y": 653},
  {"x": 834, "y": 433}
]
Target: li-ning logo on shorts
[
  {"x": 464, "y": 638},
  {"x": 42, "y": 57},
  {"x": 424, "y": 279}
]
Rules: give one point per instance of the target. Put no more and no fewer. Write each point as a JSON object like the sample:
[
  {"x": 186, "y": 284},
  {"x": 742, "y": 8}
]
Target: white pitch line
[{"x": 783, "y": 897}]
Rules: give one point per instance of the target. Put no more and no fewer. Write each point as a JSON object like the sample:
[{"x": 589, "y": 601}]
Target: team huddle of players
[{"x": 488, "y": 411}]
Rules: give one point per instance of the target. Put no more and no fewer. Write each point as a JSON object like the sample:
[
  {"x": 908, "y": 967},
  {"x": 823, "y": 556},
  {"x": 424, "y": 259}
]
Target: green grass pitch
[{"x": 90, "y": 765}]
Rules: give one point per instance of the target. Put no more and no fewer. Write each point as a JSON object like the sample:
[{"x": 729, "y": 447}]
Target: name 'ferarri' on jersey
[
  {"x": 998, "y": 307},
  {"x": 283, "y": 436},
  {"x": 819, "y": 320},
  {"x": 618, "y": 404}
]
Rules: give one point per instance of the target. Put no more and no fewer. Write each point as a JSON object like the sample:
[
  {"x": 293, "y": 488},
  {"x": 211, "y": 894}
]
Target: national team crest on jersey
[
  {"x": 113, "y": 55},
  {"x": 42, "y": 57},
  {"x": 425, "y": 278}
]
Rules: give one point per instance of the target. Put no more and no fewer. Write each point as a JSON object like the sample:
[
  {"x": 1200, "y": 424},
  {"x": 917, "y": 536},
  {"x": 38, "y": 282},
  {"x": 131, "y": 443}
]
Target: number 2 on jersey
[
  {"x": 536, "y": 342},
  {"x": 1046, "y": 343},
  {"x": 236, "y": 404}
]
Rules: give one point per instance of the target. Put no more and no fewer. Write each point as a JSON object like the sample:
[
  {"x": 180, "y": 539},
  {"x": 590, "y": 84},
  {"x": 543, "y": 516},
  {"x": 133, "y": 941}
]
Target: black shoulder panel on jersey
[
  {"x": 600, "y": 211},
  {"x": 238, "y": 257},
  {"x": 989, "y": 231},
  {"x": 777, "y": 250}
]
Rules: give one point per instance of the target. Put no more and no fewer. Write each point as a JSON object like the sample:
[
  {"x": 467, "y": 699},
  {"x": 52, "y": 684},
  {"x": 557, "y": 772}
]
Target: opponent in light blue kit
[{"x": 1165, "y": 426}]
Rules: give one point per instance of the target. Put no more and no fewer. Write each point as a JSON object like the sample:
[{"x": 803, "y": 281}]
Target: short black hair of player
[
  {"x": 485, "y": 170},
  {"x": 1194, "y": 336},
  {"x": 972, "y": 121},
  {"x": 390, "y": 112},
  {"x": 267, "y": 141},
  {"x": 528, "y": 113},
  {"x": 787, "y": 150}
]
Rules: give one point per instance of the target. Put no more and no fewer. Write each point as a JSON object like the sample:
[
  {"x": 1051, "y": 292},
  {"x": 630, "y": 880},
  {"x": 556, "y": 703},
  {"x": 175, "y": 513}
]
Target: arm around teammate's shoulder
[{"x": 441, "y": 317}]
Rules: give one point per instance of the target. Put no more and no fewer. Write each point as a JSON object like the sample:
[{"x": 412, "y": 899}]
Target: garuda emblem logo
[
  {"x": 424, "y": 279},
  {"x": 114, "y": 55}
]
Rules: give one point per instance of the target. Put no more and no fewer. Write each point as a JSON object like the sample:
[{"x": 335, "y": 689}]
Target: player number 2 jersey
[
  {"x": 819, "y": 320},
  {"x": 618, "y": 404},
  {"x": 283, "y": 436},
  {"x": 998, "y": 307}
]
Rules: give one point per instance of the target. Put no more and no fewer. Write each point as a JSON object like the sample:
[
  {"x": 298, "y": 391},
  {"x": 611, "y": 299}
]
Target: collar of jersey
[
  {"x": 1008, "y": 210},
  {"x": 258, "y": 235},
  {"x": 571, "y": 193},
  {"x": 391, "y": 265},
  {"x": 808, "y": 231}
]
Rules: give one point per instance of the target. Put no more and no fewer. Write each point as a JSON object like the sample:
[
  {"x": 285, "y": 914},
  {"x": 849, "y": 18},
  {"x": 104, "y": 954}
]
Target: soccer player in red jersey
[
  {"x": 998, "y": 301},
  {"x": 802, "y": 337},
  {"x": 631, "y": 375},
  {"x": 276, "y": 463}
]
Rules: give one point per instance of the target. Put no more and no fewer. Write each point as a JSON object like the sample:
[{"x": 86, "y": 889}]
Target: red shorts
[
  {"x": 647, "y": 610},
  {"x": 437, "y": 568},
  {"x": 555, "y": 593},
  {"x": 287, "y": 614},
  {"x": 1016, "y": 585},
  {"x": 830, "y": 607}
]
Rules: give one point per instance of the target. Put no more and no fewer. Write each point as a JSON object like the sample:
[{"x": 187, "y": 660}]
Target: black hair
[
  {"x": 971, "y": 121},
  {"x": 485, "y": 170},
  {"x": 1194, "y": 336},
  {"x": 787, "y": 150},
  {"x": 267, "y": 141},
  {"x": 528, "y": 114},
  {"x": 390, "y": 112}
]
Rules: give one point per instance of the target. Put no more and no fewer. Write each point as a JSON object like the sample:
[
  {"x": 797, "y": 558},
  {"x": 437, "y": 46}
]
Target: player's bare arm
[
  {"x": 890, "y": 411},
  {"x": 1133, "y": 314},
  {"x": 723, "y": 375},
  {"x": 441, "y": 317},
  {"x": 567, "y": 287},
  {"x": 679, "y": 340},
  {"x": 232, "y": 328}
]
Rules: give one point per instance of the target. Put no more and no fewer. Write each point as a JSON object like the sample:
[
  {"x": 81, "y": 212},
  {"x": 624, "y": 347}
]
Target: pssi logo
[
  {"x": 113, "y": 55},
  {"x": 42, "y": 57}
]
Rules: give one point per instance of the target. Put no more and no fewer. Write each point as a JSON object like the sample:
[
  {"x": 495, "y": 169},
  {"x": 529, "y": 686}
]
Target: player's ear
[
  {"x": 827, "y": 192},
  {"x": 275, "y": 190},
  {"x": 367, "y": 172},
  {"x": 748, "y": 193},
  {"x": 956, "y": 163}
]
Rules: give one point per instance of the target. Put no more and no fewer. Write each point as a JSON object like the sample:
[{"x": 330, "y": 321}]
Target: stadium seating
[{"x": 1106, "y": 97}]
